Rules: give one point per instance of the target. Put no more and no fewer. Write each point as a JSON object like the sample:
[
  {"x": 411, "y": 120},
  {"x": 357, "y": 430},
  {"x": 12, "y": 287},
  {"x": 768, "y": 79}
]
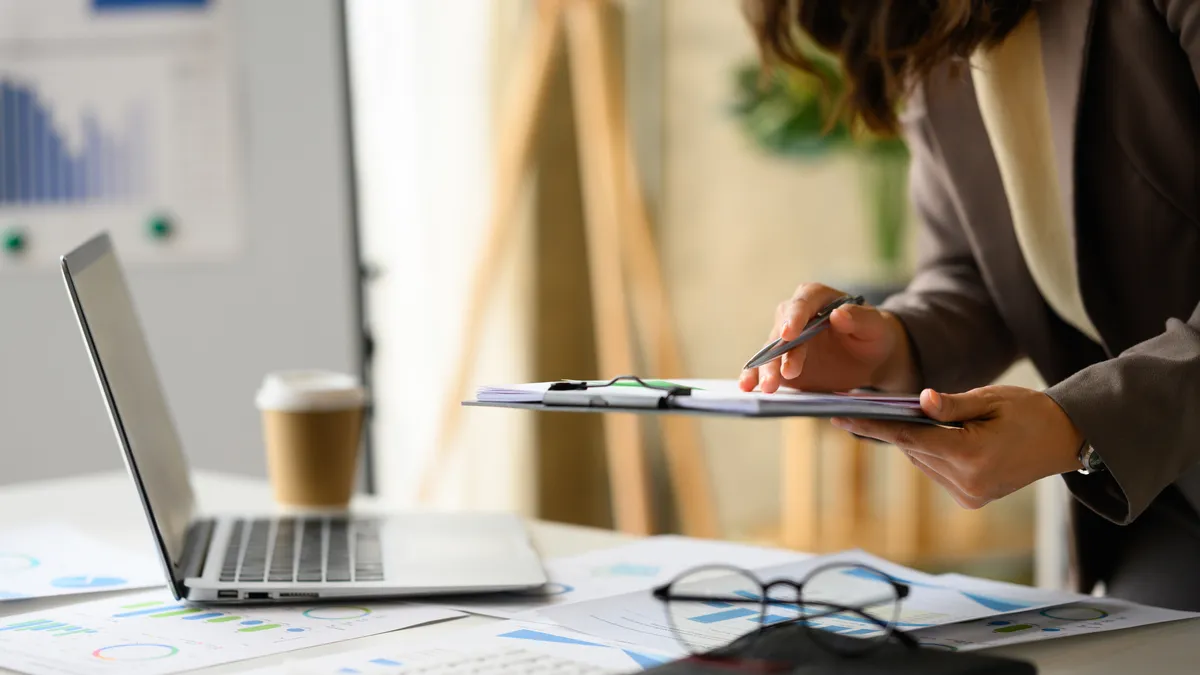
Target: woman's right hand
[{"x": 862, "y": 347}]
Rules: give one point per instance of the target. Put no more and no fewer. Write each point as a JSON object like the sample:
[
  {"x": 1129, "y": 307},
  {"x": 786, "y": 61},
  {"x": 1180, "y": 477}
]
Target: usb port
[
  {"x": 227, "y": 594},
  {"x": 258, "y": 596}
]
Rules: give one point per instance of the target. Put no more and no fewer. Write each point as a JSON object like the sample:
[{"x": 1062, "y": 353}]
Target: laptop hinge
[{"x": 195, "y": 548}]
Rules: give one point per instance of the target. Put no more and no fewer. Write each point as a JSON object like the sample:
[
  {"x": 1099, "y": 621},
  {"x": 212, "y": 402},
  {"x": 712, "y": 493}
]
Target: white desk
[{"x": 106, "y": 506}]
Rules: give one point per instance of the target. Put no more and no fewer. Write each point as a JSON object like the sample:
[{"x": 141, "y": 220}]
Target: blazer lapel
[{"x": 1066, "y": 28}]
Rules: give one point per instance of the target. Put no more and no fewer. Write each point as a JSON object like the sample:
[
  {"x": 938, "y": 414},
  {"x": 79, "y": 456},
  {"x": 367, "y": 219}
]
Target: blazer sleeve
[
  {"x": 1138, "y": 411},
  {"x": 1142, "y": 404},
  {"x": 958, "y": 337}
]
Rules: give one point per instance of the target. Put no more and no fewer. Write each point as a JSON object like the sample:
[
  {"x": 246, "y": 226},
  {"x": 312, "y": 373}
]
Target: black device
[{"x": 796, "y": 649}]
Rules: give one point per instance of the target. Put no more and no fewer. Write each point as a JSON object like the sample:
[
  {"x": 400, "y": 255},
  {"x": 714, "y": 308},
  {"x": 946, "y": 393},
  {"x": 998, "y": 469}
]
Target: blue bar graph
[
  {"x": 773, "y": 618},
  {"x": 38, "y": 165},
  {"x": 727, "y": 615},
  {"x": 201, "y": 617},
  {"x": 386, "y": 662},
  {"x": 54, "y": 628}
]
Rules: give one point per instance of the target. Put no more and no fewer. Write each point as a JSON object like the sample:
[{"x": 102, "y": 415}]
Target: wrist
[
  {"x": 898, "y": 372},
  {"x": 1073, "y": 442}
]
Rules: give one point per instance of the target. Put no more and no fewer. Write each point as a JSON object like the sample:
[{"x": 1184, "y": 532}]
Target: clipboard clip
[{"x": 672, "y": 390}]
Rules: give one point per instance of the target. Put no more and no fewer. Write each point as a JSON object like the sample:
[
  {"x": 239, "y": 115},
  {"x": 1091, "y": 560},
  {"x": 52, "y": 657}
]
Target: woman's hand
[
  {"x": 1011, "y": 437},
  {"x": 862, "y": 347}
]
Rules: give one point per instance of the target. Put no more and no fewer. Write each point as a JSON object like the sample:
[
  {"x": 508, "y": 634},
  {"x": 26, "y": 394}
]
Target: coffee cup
[{"x": 312, "y": 427}]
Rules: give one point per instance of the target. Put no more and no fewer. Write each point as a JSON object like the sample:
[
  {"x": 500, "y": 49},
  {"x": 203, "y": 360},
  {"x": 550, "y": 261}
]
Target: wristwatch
[{"x": 1089, "y": 460}]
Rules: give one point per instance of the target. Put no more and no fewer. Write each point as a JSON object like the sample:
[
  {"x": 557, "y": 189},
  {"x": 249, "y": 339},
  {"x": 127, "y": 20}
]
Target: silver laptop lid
[{"x": 133, "y": 395}]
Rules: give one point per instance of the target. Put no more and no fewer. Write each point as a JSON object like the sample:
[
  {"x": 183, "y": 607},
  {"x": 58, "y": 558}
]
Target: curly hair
[{"x": 885, "y": 46}]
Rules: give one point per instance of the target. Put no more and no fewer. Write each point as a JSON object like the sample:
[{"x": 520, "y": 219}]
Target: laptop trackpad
[{"x": 459, "y": 551}]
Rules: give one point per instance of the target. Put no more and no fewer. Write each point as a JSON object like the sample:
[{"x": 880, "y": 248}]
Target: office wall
[{"x": 286, "y": 298}]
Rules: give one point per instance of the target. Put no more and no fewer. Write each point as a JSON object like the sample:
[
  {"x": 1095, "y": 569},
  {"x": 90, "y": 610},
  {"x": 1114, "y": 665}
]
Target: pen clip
[{"x": 576, "y": 385}]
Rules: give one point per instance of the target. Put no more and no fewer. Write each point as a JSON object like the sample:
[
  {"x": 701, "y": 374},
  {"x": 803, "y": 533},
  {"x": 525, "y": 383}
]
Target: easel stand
[{"x": 620, "y": 250}]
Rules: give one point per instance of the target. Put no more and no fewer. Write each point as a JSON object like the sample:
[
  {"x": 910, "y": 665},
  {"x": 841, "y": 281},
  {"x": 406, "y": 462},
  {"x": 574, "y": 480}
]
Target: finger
[
  {"x": 924, "y": 464},
  {"x": 749, "y": 379},
  {"x": 858, "y": 322},
  {"x": 769, "y": 377},
  {"x": 974, "y": 404},
  {"x": 793, "y": 362},
  {"x": 906, "y": 435},
  {"x": 807, "y": 301}
]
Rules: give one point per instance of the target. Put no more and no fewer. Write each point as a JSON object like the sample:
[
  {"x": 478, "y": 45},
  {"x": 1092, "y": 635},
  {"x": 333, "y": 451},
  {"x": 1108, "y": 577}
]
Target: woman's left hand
[{"x": 1010, "y": 438}]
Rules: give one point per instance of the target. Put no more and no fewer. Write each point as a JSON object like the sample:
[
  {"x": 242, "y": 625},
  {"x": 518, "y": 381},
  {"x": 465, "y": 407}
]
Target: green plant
[{"x": 790, "y": 113}]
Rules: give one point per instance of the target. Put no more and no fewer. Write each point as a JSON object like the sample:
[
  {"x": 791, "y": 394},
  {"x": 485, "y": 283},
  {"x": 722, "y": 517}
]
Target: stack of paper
[
  {"x": 719, "y": 396},
  {"x": 950, "y": 611}
]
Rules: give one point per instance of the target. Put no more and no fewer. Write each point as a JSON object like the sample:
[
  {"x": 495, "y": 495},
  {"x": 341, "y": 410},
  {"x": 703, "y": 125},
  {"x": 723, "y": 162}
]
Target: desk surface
[{"x": 106, "y": 506}]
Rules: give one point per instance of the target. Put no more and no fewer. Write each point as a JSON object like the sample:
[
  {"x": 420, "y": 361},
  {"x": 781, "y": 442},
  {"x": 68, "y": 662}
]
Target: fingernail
[
  {"x": 783, "y": 329},
  {"x": 840, "y": 423},
  {"x": 936, "y": 399}
]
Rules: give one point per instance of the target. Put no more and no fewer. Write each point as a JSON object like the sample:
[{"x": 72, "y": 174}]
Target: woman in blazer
[{"x": 1056, "y": 169}]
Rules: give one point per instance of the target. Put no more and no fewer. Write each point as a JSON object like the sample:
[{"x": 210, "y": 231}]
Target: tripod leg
[
  {"x": 514, "y": 157},
  {"x": 590, "y": 79},
  {"x": 686, "y": 463}
]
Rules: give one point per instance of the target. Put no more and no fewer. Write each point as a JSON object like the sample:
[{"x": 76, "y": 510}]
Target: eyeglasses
[{"x": 714, "y": 606}]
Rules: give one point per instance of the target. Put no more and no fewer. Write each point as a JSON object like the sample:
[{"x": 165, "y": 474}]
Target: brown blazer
[{"x": 1124, "y": 102}]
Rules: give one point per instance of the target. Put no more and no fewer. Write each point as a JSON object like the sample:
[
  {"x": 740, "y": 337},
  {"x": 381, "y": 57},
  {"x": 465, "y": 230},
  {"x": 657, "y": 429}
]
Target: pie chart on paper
[{"x": 87, "y": 582}]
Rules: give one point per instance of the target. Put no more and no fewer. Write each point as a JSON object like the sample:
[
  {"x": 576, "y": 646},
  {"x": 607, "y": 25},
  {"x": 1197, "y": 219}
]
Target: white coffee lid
[{"x": 301, "y": 390}]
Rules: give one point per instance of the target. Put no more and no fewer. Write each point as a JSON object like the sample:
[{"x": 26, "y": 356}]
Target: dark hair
[{"x": 885, "y": 46}]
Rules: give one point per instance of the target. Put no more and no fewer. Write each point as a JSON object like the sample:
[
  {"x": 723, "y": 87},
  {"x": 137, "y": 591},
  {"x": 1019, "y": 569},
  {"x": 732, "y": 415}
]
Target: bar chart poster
[{"x": 118, "y": 115}]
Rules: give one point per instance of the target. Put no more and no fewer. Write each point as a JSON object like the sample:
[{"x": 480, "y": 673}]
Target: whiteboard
[
  {"x": 262, "y": 272},
  {"x": 119, "y": 115}
]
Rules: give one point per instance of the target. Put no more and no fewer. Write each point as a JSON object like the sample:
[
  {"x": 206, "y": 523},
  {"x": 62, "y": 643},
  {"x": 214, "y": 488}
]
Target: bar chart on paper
[
  {"x": 117, "y": 115},
  {"x": 152, "y": 634},
  {"x": 480, "y": 645}
]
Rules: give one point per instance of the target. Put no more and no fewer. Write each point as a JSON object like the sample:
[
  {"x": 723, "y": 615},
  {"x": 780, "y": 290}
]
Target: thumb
[{"x": 956, "y": 407}]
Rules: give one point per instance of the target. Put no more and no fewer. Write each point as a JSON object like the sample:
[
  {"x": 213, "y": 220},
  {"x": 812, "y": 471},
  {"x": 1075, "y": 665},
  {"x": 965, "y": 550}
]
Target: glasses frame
[{"x": 664, "y": 594}]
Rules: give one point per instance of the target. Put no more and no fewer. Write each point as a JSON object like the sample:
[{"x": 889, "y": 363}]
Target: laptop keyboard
[{"x": 314, "y": 549}]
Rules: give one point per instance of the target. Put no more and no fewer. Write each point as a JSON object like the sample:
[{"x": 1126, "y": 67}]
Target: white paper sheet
[
  {"x": 617, "y": 571},
  {"x": 1094, "y": 615},
  {"x": 152, "y": 634},
  {"x": 553, "y": 640},
  {"x": 638, "y": 618},
  {"x": 38, "y": 562}
]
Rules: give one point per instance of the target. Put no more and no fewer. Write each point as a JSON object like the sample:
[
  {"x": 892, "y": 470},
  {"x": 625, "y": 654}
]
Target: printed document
[{"x": 49, "y": 560}]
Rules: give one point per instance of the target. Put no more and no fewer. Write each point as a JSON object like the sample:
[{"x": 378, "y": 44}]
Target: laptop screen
[{"x": 132, "y": 392}]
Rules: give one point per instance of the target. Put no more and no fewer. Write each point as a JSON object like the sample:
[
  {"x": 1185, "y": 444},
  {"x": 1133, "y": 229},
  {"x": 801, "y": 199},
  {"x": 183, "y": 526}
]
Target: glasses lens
[
  {"x": 850, "y": 601},
  {"x": 713, "y": 606},
  {"x": 782, "y": 605}
]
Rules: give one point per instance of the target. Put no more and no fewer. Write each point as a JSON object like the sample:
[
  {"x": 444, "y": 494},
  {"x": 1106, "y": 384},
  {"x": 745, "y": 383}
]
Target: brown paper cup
[{"x": 312, "y": 427}]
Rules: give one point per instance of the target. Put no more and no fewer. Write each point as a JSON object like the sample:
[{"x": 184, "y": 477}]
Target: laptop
[{"x": 264, "y": 557}]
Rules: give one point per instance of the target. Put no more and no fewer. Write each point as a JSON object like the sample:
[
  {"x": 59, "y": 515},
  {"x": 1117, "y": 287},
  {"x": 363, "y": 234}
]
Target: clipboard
[{"x": 676, "y": 399}]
